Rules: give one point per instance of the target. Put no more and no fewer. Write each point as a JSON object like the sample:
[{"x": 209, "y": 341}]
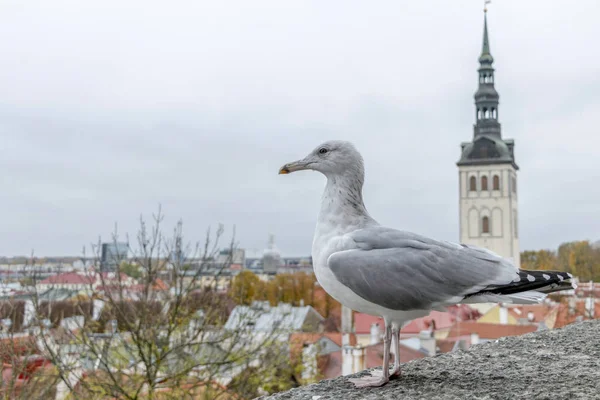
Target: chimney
[
  {"x": 358, "y": 358},
  {"x": 589, "y": 307},
  {"x": 346, "y": 319},
  {"x": 571, "y": 305},
  {"x": 345, "y": 339},
  {"x": 347, "y": 360},
  {"x": 427, "y": 342},
  {"x": 375, "y": 333},
  {"x": 503, "y": 311}
]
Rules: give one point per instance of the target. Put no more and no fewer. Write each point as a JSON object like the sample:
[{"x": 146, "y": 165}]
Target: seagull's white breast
[
  {"x": 327, "y": 244},
  {"x": 340, "y": 215}
]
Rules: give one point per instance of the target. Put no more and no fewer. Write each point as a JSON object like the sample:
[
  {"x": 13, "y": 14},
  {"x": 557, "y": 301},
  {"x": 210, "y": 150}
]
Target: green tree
[
  {"x": 539, "y": 260},
  {"x": 580, "y": 259},
  {"x": 131, "y": 270},
  {"x": 245, "y": 287}
]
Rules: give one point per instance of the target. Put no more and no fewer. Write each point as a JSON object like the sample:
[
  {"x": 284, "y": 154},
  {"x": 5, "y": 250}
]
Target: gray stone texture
[{"x": 552, "y": 364}]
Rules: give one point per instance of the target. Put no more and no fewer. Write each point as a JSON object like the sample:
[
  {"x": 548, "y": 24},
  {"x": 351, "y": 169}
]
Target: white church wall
[
  {"x": 497, "y": 223},
  {"x": 498, "y": 205}
]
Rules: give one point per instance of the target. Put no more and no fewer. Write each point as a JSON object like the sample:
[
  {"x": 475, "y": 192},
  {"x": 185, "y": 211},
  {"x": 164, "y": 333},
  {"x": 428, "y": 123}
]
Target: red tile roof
[
  {"x": 363, "y": 322},
  {"x": 72, "y": 278},
  {"x": 299, "y": 339},
  {"x": 464, "y": 312},
  {"x": 489, "y": 331},
  {"x": 330, "y": 365},
  {"x": 540, "y": 311},
  {"x": 159, "y": 284},
  {"x": 375, "y": 355},
  {"x": 75, "y": 278},
  {"x": 566, "y": 316},
  {"x": 443, "y": 320},
  {"x": 445, "y": 345}
]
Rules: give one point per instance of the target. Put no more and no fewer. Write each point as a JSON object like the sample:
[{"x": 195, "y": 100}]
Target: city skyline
[{"x": 197, "y": 107}]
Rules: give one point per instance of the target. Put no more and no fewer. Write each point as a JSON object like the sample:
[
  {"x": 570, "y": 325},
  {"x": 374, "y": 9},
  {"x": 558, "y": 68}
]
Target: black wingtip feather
[{"x": 543, "y": 281}]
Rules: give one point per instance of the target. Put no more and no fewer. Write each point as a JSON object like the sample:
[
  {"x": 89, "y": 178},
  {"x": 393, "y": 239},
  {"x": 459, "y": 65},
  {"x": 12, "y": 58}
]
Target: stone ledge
[{"x": 554, "y": 364}]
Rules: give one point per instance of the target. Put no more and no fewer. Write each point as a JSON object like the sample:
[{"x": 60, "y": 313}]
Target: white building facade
[{"x": 488, "y": 173}]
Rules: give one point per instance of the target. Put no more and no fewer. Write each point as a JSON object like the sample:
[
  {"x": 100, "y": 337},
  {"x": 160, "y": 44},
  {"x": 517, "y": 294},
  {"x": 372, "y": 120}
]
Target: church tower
[{"x": 488, "y": 172}]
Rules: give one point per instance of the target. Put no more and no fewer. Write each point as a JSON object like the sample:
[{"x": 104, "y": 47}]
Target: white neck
[{"x": 342, "y": 206}]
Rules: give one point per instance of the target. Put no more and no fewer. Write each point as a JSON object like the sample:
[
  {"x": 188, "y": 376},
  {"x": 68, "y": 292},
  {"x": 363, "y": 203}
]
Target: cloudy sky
[{"x": 109, "y": 108}]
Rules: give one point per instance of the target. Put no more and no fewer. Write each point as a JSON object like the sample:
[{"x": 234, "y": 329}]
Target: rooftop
[{"x": 260, "y": 316}]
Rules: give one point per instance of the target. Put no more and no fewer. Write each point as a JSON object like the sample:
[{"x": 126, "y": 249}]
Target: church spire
[
  {"x": 486, "y": 56},
  {"x": 487, "y": 147},
  {"x": 486, "y": 97}
]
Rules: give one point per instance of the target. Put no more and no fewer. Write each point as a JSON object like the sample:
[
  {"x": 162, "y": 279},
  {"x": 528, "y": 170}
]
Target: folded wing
[{"x": 404, "y": 271}]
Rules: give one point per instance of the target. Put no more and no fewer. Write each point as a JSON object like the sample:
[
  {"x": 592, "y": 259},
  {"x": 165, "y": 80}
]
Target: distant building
[
  {"x": 113, "y": 254},
  {"x": 232, "y": 259},
  {"x": 261, "y": 317},
  {"x": 488, "y": 172},
  {"x": 271, "y": 257},
  {"x": 84, "y": 281}
]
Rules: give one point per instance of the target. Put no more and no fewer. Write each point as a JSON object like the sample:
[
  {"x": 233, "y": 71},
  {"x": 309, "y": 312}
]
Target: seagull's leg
[
  {"x": 376, "y": 379},
  {"x": 396, "y": 340},
  {"x": 396, "y": 347}
]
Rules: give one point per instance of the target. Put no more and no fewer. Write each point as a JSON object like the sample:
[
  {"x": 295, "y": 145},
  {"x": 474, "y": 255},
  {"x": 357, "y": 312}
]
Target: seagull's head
[{"x": 335, "y": 157}]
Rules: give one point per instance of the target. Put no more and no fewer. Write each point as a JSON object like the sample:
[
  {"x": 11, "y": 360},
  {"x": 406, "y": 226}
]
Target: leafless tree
[
  {"x": 158, "y": 332},
  {"x": 25, "y": 373}
]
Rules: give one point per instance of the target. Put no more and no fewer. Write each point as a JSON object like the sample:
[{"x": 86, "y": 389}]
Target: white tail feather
[{"x": 530, "y": 297}]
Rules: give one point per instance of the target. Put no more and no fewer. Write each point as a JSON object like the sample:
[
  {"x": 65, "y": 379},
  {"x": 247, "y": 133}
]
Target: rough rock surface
[{"x": 554, "y": 364}]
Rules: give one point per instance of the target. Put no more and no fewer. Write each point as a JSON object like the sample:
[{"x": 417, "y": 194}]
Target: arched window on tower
[
  {"x": 514, "y": 185},
  {"x": 493, "y": 113},
  {"x": 485, "y": 225},
  {"x": 485, "y": 112},
  {"x": 484, "y": 185},
  {"x": 496, "y": 182},
  {"x": 473, "y": 184}
]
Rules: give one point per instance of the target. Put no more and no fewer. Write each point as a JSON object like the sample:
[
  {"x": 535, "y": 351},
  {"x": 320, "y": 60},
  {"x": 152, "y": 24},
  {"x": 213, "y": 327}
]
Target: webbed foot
[{"x": 369, "y": 381}]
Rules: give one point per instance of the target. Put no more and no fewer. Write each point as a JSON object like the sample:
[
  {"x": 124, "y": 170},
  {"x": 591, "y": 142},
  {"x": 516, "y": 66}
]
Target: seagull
[{"x": 399, "y": 275}]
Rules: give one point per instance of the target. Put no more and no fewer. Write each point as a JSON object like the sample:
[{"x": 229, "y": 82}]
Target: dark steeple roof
[
  {"x": 487, "y": 146},
  {"x": 486, "y": 56}
]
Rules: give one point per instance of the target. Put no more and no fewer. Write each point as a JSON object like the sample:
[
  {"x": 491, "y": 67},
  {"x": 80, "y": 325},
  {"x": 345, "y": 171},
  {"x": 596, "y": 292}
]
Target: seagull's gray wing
[{"x": 404, "y": 271}]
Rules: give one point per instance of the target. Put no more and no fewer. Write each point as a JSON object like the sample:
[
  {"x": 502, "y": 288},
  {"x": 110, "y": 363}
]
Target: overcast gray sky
[{"x": 108, "y": 108}]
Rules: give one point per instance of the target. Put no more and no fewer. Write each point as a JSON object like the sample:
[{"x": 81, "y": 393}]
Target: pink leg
[
  {"x": 396, "y": 347},
  {"x": 396, "y": 339},
  {"x": 376, "y": 379}
]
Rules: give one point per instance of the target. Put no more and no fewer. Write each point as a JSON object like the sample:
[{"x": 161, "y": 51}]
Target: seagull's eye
[{"x": 322, "y": 150}]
